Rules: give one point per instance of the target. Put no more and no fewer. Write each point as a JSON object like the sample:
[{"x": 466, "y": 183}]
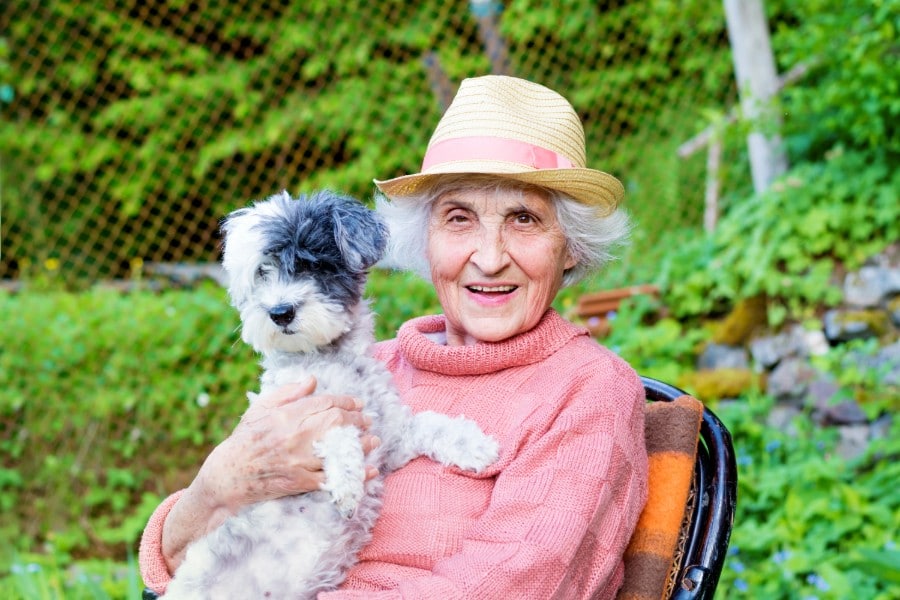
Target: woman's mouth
[{"x": 492, "y": 290}]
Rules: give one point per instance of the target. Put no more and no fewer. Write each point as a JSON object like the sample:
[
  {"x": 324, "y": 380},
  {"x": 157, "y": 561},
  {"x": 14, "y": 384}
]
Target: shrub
[
  {"x": 810, "y": 524},
  {"x": 786, "y": 242}
]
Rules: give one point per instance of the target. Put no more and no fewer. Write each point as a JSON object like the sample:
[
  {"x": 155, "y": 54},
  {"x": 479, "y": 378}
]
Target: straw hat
[{"x": 514, "y": 129}]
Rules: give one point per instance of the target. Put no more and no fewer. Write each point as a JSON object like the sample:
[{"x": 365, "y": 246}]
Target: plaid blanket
[{"x": 672, "y": 430}]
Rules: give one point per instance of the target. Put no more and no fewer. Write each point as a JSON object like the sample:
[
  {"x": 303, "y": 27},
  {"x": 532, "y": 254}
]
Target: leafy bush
[
  {"x": 98, "y": 389},
  {"x": 851, "y": 96},
  {"x": 786, "y": 242},
  {"x": 52, "y": 577},
  {"x": 810, "y": 524},
  {"x": 94, "y": 388}
]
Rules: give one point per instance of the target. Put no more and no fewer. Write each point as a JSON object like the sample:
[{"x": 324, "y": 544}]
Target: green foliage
[
  {"x": 124, "y": 112},
  {"x": 852, "y": 94},
  {"x": 92, "y": 388},
  {"x": 808, "y": 523},
  {"x": 97, "y": 390},
  {"x": 785, "y": 242},
  {"x": 860, "y": 377},
  {"x": 664, "y": 349},
  {"x": 397, "y": 297},
  {"x": 52, "y": 577},
  {"x": 839, "y": 204}
]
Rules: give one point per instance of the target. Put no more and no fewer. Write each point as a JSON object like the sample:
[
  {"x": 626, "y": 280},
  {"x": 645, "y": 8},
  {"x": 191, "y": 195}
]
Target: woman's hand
[{"x": 268, "y": 455}]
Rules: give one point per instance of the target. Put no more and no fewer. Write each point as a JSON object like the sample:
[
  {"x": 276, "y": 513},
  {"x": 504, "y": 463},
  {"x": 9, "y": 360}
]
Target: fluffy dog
[{"x": 296, "y": 271}]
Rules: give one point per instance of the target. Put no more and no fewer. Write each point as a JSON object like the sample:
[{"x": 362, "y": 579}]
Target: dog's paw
[
  {"x": 477, "y": 450},
  {"x": 455, "y": 441},
  {"x": 347, "y": 503},
  {"x": 343, "y": 463}
]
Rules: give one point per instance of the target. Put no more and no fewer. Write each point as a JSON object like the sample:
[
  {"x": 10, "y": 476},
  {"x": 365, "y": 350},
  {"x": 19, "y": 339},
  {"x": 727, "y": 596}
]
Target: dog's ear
[
  {"x": 360, "y": 234},
  {"x": 229, "y": 222}
]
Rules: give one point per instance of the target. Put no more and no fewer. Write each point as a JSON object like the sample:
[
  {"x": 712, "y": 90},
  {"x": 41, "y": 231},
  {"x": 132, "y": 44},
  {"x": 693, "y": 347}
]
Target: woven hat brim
[{"x": 588, "y": 186}]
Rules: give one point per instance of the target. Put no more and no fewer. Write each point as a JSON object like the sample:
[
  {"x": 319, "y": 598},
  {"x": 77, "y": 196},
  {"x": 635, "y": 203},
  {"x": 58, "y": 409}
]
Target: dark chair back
[{"x": 714, "y": 500}]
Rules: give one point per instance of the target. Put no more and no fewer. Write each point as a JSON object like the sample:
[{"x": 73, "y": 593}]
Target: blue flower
[
  {"x": 773, "y": 446},
  {"x": 818, "y": 581},
  {"x": 744, "y": 461},
  {"x": 741, "y": 585},
  {"x": 781, "y": 556},
  {"x": 737, "y": 566}
]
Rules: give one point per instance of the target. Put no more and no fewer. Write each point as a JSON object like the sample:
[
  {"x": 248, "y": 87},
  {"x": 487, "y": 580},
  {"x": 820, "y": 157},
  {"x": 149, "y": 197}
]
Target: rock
[
  {"x": 865, "y": 288},
  {"x": 893, "y": 309},
  {"x": 880, "y": 428},
  {"x": 890, "y": 285},
  {"x": 769, "y": 351},
  {"x": 821, "y": 390},
  {"x": 790, "y": 380},
  {"x": 854, "y": 439},
  {"x": 188, "y": 274},
  {"x": 816, "y": 342},
  {"x": 715, "y": 384},
  {"x": 887, "y": 364},
  {"x": 721, "y": 356},
  {"x": 844, "y": 413},
  {"x": 846, "y": 325},
  {"x": 748, "y": 315}
]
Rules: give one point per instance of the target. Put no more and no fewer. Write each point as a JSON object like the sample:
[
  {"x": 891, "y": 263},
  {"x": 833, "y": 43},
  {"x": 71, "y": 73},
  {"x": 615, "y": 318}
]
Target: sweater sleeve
[
  {"x": 153, "y": 567},
  {"x": 561, "y": 512}
]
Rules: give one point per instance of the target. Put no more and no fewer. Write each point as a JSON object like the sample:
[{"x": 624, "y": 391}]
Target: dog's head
[{"x": 297, "y": 268}]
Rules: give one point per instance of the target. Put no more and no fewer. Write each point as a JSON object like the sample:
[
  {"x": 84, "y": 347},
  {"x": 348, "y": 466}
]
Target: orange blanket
[{"x": 671, "y": 430}]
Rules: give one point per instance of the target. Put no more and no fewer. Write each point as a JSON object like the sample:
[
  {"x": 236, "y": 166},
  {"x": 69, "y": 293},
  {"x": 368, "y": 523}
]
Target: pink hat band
[{"x": 493, "y": 149}]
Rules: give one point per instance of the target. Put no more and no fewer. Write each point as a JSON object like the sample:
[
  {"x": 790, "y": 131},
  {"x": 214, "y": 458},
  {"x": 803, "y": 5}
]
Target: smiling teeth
[{"x": 497, "y": 288}]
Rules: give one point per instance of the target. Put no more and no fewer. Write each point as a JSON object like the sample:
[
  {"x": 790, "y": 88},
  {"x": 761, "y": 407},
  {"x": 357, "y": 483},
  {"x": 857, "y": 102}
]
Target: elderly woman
[{"x": 503, "y": 214}]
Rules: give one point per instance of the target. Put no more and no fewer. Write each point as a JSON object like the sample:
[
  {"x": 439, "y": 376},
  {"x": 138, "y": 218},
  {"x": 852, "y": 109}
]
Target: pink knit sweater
[{"x": 551, "y": 519}]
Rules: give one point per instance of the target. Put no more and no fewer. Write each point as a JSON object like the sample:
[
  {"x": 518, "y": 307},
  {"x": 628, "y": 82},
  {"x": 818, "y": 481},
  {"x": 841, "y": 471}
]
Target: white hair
[{"x": 590, "y": 236}]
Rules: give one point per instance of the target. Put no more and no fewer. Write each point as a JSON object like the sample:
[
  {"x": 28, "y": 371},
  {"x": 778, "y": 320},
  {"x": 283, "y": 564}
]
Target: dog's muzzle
[{"x": 282, "y": 314}]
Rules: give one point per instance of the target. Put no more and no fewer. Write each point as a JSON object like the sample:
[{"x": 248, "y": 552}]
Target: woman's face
[{"x": 497, "y": 260}]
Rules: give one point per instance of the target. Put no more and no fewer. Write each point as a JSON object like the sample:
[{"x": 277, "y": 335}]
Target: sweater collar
[{"x": 550, "y": 334}]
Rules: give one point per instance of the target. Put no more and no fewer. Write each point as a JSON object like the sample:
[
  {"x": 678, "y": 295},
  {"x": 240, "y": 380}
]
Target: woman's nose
[{"x": 490, "y": 254}]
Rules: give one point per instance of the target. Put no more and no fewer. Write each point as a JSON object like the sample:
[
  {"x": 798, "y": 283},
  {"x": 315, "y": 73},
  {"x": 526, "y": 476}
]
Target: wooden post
[
  {"x": 440, "y": 84},
  {"x": 754, "y": 68},
  {"x": 487, "y": 13},
  {"x": 711, "y": 207}
]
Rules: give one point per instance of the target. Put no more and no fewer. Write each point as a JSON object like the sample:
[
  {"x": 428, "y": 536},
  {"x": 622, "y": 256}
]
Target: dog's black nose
[{"x": 282, "y": 314}]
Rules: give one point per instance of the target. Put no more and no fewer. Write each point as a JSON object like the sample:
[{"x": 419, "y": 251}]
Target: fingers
[
  {"x": 312, "y": 403},
  {"x": 287, "y": 393},
  {"x": 369, "y": 443}
]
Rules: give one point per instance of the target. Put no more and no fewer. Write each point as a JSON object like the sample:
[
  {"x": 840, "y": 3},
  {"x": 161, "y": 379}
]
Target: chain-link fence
[{"x": 130, "y": 128}]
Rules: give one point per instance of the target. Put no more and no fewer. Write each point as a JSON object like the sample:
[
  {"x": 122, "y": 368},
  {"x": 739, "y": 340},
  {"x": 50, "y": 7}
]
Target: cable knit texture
[{"x": 550, "y": 519}]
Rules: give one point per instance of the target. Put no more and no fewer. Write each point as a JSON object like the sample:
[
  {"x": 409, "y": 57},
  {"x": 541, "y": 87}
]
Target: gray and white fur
[{"x": 296, "y": 272}]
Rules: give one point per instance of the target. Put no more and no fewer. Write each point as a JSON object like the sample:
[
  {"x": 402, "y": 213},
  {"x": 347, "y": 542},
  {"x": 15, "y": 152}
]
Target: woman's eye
[
  {"x": 457, "y": 218},
  {"x": 524, "y": 219}
]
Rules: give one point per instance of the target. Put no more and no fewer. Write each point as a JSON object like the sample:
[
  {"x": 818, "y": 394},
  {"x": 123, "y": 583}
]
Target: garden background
[{"x": 130, "y": 128}]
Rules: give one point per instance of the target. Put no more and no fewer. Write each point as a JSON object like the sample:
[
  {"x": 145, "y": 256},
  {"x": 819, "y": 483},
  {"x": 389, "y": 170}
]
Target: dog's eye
[{"x": 303, "y": 264}]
